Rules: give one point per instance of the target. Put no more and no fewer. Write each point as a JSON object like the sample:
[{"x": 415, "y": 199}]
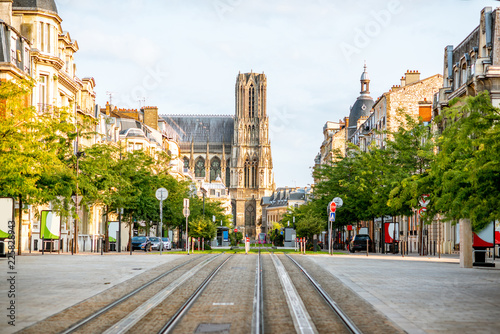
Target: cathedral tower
[{"x": 251, "y": 175}]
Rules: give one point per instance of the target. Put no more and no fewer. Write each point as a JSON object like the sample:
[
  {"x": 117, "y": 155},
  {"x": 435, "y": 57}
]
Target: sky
[{"x": 183, "y": 56}]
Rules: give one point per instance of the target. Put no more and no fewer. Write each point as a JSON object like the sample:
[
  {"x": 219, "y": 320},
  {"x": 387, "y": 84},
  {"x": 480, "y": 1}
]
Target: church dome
[
  {"x": 363, "y": 104},
  {"x": 44, "y": 5}
]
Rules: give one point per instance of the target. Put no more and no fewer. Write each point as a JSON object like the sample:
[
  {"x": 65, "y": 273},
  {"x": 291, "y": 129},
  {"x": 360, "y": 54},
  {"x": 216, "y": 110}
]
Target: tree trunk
[{"x": 465, "y": 243}]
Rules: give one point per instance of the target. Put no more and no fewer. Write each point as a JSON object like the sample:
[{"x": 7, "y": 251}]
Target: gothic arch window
[
  {"x": 250, "y": 215},
  {"x": 254, "y": 183},
  {"x": 251, "y": 101},
  {"x": 215, "y": 169},
  {"x": 186, "y": 163},
  {"x": 251, "y": 176},
  {"x": 199, "y": 167},
  {"x": 247, "y": 173},
  {"x": 228, "y": 173}
]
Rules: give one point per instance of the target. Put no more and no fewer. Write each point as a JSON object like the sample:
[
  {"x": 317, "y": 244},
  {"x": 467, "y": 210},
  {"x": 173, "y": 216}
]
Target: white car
[{"x": 166, "y": 244}]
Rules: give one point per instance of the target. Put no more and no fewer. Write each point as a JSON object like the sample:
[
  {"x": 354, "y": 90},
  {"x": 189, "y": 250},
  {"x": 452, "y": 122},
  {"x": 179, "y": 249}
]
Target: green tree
[{"x": 466, "y": 171}]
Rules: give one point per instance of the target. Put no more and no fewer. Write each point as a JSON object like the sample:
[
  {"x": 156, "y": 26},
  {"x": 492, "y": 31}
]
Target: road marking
[
  {"x": 223, "y": 304},
  {"x": 301, "y": 319}
]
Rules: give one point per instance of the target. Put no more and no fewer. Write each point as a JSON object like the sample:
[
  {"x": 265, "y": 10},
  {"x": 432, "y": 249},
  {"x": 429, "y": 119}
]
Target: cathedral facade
[{"x": 235, "y": 149}]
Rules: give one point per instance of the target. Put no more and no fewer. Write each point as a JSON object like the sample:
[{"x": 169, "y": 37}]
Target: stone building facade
[
  {"x": 235, "y": 149},
  {"x": 469, "y": 68},
  {"x": 35, "y": 46},
  {"x": 412, "y": 97}
]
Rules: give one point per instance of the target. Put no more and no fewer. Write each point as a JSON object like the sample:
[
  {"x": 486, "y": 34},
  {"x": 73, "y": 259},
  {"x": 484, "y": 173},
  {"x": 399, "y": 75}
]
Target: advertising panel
[
  {"x": 50, "y": 227},
  {"x": 113, "y": 231},
  {"x": 6, "y": 216},
  {"x": 390, "y": 230},
  {"x": 225, "y": 235}
]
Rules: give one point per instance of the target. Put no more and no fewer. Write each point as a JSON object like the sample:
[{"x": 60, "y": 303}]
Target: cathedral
[{"x": 235, "y": 149}]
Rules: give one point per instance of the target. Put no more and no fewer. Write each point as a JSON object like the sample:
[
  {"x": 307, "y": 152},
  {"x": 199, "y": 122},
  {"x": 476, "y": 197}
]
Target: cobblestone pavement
[
  {"x": 422, "y": 295},
  {"x": 46, "y": 285},
  {"x": 418, "y": 294},
  {"x": 227, "y": 303}
]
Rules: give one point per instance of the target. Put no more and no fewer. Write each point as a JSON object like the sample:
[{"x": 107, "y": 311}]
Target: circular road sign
[
  {"x": 338, "y": 201},
  {"x": 161, "y": 194},
  {"x": 235, "y": 230},
  {"x": 333, "y": 206}
]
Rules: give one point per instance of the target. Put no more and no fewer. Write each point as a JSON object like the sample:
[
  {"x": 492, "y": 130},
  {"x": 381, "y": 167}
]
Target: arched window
[
  {"x": 251, "y": 176},
  {"x": 247, "y": 173},
  {"x": 214, "y": 169},
  {"x": 251, "y": 101},
  {"x": 228, "y": 173},
  {"x": 250, "y": 215},
  {"x": 254, "y": 174},
  {"x": 199, "y": 168},
  {"x": 186, "y": 163}
]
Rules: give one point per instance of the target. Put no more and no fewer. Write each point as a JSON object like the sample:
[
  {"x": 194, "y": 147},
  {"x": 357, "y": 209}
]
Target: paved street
[
  {"x": 423, "y": 295},
  {"x": 419, "y": 294}
]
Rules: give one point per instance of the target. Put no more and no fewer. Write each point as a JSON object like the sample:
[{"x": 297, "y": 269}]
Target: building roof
[
  {"x": 216, "y": 129},
  {"x": 44, "y": 5}
]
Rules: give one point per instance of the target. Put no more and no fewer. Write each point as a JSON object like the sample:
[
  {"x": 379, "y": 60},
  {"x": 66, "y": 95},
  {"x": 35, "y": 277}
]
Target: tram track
[{"x": 254, "y": 293}]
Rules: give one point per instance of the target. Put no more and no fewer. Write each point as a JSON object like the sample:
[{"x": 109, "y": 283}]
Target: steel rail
[
  {"x": 345, "y": 319},
  {"x": 170, "y": 325},
  {"x": 86, "y": 320},
  {"x": 258, "y": 300}
]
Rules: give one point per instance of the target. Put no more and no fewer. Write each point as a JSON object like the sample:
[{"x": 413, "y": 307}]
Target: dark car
[
  {"x": 137, "y": 242},
  {"x": 358, "y": 242}
]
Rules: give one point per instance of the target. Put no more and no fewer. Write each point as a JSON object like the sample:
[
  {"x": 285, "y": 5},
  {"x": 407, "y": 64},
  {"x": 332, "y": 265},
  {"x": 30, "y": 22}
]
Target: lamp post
[{"x": 78, "y": 154}]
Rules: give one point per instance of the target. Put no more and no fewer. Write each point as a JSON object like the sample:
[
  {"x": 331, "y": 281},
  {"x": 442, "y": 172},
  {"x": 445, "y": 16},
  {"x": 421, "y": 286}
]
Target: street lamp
[{"x": 74, "y": 249}]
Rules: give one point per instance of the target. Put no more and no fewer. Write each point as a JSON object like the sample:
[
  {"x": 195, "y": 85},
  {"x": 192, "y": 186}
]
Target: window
[
  {"x": 228, "y": 174},
  {"x": 199, "y": 168},
  {"x": 251, "y": 101},
  {"x": 186, "y": 163},
  {"x": 42, "y": 93},
  {"x": 215, "y": 169}
]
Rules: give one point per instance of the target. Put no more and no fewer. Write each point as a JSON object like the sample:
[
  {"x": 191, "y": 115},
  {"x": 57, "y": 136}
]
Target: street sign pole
[
  {"x": 186, "y": 213},
  {"x": 161, "y": 226},
  {"x": 161, "y": 195}
]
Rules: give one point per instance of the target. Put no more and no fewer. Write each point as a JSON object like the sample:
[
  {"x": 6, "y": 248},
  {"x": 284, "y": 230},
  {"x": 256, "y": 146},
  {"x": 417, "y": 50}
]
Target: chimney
[
  {"x": 151, "y": 117},
  {"x": 403, "y": 82},
  {"x": 6, "y": 11},
  {"x": 412, "y": 77}
]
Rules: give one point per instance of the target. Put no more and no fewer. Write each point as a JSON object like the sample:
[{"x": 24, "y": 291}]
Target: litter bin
[{"x": 112, "y": 246}]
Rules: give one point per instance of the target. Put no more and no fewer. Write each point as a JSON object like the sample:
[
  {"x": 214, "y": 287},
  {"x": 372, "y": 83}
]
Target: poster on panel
[
  {"x": 391, "y": 230},
  {"x": 50, "y": 226},
  {"x": 6, "y": 216}
]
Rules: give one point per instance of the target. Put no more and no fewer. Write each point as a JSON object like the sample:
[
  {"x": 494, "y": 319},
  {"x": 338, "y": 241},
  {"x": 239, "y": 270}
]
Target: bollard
[{"x": 366, "y": 247}]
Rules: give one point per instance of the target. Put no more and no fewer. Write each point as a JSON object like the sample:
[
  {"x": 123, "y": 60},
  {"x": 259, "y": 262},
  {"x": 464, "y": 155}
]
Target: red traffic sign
[
  {"x": 333, "y": 206},
  {"x": 235, "y": 230},
  {"x": 248, "y": 239},
  {"x": 422, "y": 210}
]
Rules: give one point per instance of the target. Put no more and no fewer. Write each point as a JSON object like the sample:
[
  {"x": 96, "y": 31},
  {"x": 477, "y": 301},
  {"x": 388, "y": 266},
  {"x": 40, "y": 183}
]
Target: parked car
[
  {"x": 166, "y": 243},
  {"x": 154, "y": 243},
  {"x": 137, "y": 242},
  {"x": 358, "y": 242}
]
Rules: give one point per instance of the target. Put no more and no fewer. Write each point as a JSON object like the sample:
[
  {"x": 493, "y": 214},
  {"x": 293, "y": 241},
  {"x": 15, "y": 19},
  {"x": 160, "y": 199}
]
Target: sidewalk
[
  {"x": 423, "y": 294},
  {"x": 45, "y": 285}
]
